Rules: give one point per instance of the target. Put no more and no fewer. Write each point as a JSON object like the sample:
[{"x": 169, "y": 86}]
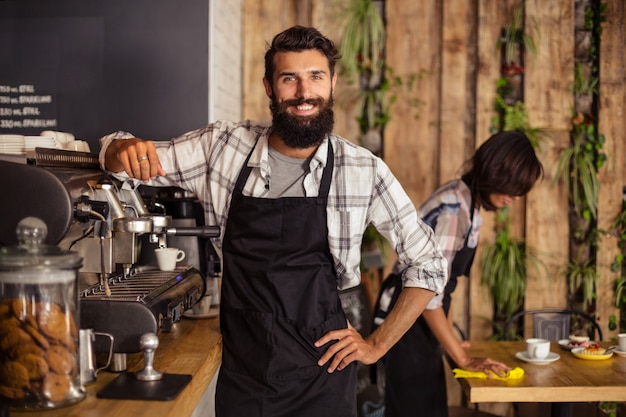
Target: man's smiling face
[{"x": 301, "y": 94}]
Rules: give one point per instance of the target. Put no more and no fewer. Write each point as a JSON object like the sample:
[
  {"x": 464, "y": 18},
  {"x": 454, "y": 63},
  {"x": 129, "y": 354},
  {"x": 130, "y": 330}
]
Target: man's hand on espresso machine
[{"x": 135, "y": 156}]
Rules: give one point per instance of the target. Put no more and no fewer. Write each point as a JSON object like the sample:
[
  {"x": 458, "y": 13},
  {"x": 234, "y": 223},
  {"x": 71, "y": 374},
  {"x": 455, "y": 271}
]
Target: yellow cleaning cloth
[{"x": 515, "y": 373}]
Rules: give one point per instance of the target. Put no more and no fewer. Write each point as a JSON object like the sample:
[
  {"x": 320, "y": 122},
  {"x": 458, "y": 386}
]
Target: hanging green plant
[
  {"x": 514, "y": 117},
  {"x": 504, "y": 266},
  {"x": 583, "y": 84},
  {"x": 578, "y": 166},
  {"x": 363, "y": 41},
  {"x": 583, "y": 276},
  {"x": 513, "y": 36}
]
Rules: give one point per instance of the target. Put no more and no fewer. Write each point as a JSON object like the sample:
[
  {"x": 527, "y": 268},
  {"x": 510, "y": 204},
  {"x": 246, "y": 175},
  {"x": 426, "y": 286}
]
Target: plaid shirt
[
  {"x": 447, "y": 211},
  {"x": 363, "y": 191}
]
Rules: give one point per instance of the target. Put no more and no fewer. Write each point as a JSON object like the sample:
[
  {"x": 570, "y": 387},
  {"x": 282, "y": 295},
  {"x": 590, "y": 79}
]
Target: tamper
[
  {"x": 148, "y": 343},
  {"x": 149, "y": 383}
]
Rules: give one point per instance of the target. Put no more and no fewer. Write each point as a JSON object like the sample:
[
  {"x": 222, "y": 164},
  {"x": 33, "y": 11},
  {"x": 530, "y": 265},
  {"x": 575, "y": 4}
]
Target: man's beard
[{"x": 302, "y": 132}]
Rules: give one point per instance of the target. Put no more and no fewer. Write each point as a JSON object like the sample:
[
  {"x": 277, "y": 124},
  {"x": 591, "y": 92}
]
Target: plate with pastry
[
  {"x": 592, "y": 353},
  {"x": 576, "y": 341}
]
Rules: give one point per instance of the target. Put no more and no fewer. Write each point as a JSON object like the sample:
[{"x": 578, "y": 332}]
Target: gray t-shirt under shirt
[{"x": 287, "y": 175}]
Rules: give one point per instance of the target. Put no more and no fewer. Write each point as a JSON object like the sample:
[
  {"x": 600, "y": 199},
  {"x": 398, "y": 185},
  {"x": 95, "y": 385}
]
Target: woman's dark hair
[
  {"x": 297, "y": 39},
  {"x": 505, "y": 164}
]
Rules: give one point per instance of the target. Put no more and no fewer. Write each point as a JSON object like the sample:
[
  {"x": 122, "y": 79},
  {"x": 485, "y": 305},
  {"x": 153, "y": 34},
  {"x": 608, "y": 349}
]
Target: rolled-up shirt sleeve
[{"x": 419, "y": 257}]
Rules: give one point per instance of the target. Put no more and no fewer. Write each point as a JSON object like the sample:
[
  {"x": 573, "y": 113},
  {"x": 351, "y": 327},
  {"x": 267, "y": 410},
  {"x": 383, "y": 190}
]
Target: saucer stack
[
  {"x": 12, "y": 144},
  {"x": 32, "y": 142}
]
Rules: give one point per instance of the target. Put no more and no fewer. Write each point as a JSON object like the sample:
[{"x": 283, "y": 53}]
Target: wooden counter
[{"x": 192, "y": 347}]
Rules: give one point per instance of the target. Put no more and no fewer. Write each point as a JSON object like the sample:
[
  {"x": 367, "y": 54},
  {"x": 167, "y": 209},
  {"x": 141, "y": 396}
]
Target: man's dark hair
[
  {"x": 505, "y": 164},
  {"x": 297, "y": 39}
]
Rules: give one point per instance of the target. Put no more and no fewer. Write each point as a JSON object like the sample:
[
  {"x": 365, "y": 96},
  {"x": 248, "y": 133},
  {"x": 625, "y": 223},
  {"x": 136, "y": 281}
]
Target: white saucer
[
  {"x": 551, "y": 358},
  {"x": 619, "y": 352},
  {"x": 213, "y": 312}
]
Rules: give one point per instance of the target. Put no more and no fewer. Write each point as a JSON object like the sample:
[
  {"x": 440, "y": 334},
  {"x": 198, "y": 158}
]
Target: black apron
[
  {"x": 414, "y": 371},
  {"x": 279, "y": 295}
]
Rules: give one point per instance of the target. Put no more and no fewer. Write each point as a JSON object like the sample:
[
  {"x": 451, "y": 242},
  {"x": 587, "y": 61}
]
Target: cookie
[
  {"x": 24, "y": 348},
  {"x": 13, "y": 336},
  {"x": 23, "y": 310},
  {"x": 5, "y": 309},
  {"x": 55, "y": 387},
  {"x": 12, "y": 392},
  {"x": 36, "y": 366},
  {"x": 39, "y": 338},
  {"x": 13, "y": 374},
  {"x": 8, "y": 322},
  {"x": 52, "y": 321},
  {"x": 60, "y": 360}
]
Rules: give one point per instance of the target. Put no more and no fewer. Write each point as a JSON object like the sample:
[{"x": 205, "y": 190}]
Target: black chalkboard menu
[{"x": 91, "y": 67}]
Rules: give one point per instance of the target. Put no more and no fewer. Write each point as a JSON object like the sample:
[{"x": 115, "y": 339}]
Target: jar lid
[{"x": 32, "y": 254}]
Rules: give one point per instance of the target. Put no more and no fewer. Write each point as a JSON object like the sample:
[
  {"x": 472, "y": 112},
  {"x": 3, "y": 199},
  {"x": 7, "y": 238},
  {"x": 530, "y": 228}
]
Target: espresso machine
[{"x": 109, "y": 225}]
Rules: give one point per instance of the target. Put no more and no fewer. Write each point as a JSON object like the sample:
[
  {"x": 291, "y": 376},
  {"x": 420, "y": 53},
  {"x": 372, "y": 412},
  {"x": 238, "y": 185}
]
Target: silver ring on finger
[{"x": 142, "y": 158}]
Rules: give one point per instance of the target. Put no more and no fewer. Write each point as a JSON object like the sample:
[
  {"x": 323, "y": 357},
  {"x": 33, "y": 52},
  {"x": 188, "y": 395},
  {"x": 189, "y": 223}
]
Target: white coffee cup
[
  {"x": 77, "y": 145},
  {"x": 167, "y": 258},
  {"x": 537, "y": 348},
  {"x": 203, "y": 306},
  {"x": 621, "y": 342}
]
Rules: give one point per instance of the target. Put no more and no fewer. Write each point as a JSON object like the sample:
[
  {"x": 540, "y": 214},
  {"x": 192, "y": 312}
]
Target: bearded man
[{"x": 292, "y": 201}]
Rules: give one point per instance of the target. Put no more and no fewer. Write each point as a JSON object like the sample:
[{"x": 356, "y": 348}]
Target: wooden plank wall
[
  {"x": 548, "y": 98},
  {"x": 612, "y": 125},
  {"x": 453, "y": 42},
  {"x": 456, "y": 128},
  {"x": 492, "y": 16}
]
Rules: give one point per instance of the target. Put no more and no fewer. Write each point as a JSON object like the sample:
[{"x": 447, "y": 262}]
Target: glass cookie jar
[{"x": 39, "y": 316}]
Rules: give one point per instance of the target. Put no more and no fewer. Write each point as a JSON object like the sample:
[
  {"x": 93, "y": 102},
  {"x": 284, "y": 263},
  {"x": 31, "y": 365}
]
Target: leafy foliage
[
  {"x": 583, "y": 275},
  {"x": 504, "y": 267},
  {"x": 583, "y": 84},
  {"x": 513, "y": 35},
  {"x": 578, "y": 166},
  {"x": 363, "y": 40},
  {"x": 514, "y": 117}
]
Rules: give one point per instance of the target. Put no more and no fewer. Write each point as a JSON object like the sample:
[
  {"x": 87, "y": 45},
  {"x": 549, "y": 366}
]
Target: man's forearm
[
  {"x": 439, "y": 325},
  {"x": 410, "y": 305}
]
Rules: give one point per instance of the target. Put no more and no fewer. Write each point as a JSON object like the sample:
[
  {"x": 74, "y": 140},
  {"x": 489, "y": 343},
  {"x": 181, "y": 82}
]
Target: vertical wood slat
[
  {"x": 456, "y": 136},
  {"x": 548, "y": 100},
  {"x": 491, "y": 18},
  {"x": 411, "y": 146},
  {"x": 455, "y": 93},
  {"x": 612, "y": 176}
]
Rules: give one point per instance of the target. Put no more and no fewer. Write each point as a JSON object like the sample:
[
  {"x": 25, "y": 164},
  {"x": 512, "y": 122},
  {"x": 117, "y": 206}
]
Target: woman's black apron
[
  {"x": 415, "y": 376},
  {"x": 279, "y": 295}
]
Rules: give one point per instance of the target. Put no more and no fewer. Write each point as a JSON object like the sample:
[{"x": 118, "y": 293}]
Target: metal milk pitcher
[{"x": 88, "y": 369}]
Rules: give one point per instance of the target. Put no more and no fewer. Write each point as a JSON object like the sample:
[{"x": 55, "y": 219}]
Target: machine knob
[{"x": 148, "y": 343}]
